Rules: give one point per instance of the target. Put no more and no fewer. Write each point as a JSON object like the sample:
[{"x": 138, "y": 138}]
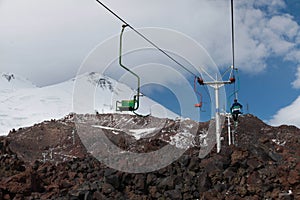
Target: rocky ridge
[{"x": 48, "y": 161}]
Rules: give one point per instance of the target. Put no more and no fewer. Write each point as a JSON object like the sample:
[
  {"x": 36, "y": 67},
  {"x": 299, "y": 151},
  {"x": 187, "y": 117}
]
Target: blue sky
[{"x": 48, "y": 41}]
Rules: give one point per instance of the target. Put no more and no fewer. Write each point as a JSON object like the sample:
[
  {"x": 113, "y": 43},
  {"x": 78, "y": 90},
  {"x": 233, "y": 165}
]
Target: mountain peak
[
  {"x": 10, "y": 81},
  {"x": 100, "y": 81},
  {"x": 8, "y": 77},
  {"x": 34, "y": 105}
]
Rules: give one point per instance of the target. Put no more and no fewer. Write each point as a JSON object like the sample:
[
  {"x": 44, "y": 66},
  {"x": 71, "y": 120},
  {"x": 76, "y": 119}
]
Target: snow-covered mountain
[
  {"x": 9, "y": 81},
  {"x": 23, "y": 104}
]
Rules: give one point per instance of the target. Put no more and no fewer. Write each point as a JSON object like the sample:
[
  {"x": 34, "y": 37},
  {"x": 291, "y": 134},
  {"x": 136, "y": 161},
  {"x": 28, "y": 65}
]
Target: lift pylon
[{"x": 216, "y": 85}]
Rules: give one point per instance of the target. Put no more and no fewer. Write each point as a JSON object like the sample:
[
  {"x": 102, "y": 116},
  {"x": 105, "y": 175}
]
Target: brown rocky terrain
[{"x": 49, "y": 161}]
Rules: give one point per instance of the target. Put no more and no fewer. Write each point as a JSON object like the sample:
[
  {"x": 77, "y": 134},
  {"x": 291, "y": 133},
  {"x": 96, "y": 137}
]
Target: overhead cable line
[
  {"x": 145, "y": 38},
  {"x": 154, "y": 45},
  {"x": 232, "y": 34},
  {"x": 232, "y": 46}
]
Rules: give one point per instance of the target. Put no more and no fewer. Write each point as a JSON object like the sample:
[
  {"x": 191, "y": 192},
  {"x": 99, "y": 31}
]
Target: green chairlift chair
[{"x": 133, "y": 104}]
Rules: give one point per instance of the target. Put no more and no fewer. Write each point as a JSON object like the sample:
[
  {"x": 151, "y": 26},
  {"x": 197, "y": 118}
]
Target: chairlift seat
[
  {"x": 125, "y": 105},
  {"x": 198, "y": 105}
]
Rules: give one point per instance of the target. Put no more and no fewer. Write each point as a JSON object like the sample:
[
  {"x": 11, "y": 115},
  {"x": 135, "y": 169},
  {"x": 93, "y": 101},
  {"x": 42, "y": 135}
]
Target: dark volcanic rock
[{"x": 48, "y": 161}]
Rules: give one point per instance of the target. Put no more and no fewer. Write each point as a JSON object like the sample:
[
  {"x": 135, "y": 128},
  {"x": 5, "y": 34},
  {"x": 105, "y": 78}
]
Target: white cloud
[
  {"x": 284, "y": 25},
  {"x": 296, "y": 83},
  {"x": 53, "y": 37},
  {"x": 265, "y": 35},
  {"x": 272, "y": 5},
  {"x": 289, "y": 115},
  {"x": 46, "y": 41}
]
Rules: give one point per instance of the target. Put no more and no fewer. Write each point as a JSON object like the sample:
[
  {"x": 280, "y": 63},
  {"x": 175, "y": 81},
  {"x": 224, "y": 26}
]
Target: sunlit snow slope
[{"x": 23, "y": 104}]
